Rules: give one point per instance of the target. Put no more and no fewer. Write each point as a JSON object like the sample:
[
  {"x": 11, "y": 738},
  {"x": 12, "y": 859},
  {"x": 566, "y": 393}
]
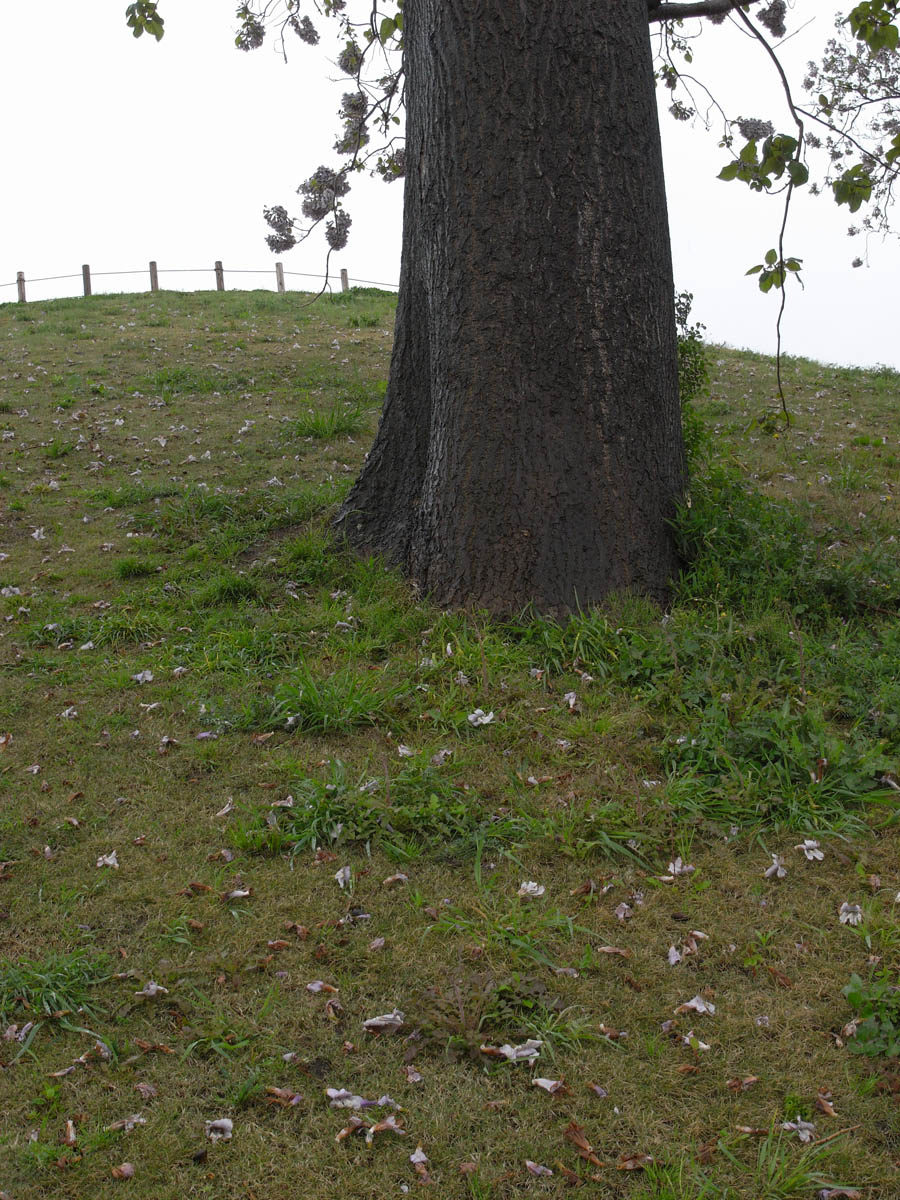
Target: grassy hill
[{"x": 244, "y": 810}]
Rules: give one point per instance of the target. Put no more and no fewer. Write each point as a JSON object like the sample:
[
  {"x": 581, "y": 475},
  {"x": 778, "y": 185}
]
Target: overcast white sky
[{"x": 116, "y": 151}]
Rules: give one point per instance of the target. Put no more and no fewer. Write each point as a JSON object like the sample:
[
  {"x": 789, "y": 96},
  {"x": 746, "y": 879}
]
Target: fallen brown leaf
[
  {"x": 780, "y": 978},
  {"x": 283, "y": 1097},
  {"x": 823, "y": 1102},
  {"x": 741, "y": 1085},
  {"x": 125, "y": 1171},
  {"x": 571, "y": 1178},
  {"x": 633, "y": 1162},
  {"x": 574, "y": 1133}
]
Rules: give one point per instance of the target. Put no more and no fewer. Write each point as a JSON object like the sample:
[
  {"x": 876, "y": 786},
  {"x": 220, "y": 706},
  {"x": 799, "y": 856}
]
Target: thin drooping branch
[
  {"x": 659, "y": 10},
  {"x": 798, "y": 121}
]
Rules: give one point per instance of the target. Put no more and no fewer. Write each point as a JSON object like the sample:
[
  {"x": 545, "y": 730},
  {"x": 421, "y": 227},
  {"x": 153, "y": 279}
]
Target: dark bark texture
[{"x": 530, "y": 446}]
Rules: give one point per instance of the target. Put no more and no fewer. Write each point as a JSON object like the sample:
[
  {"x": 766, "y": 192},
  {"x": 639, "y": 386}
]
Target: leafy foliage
[{"x": 876, "y": 1002}]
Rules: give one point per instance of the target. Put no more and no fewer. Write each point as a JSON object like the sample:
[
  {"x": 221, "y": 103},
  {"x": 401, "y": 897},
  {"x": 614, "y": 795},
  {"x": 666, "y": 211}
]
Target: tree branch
[{"x": 660, "y": 10}]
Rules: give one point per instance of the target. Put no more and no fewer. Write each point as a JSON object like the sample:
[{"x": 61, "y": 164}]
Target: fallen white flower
[
  {"x": 525, "y": 1052},
  {"x": 126, "y": 1124},
  {"x": 674, "y": 956},
  {"x": 151, "y": 989},
  {"x": 691, "y": 1039},
  {"x": 679, "y": 867},
  {"x": 391, "y": 1020},
  {"x": 810, "y": 848},
  {"x": 803, "y": 1129},
  {"x": 698, "y": 1005},
  {"x": 405, "y": 751},
  {"x": 480, "y": 717},
  {"x": 548, "y": 1085},
  {"x": 108, "y": 860},
  {"x": 850, "y": 914},
  {"x": 341, "y": 1098},
  {"x": 143, "y": 677},
  {"x": 537, "y": 1168},
  {"x": 343, "y": 877},
  {"x": 777, "y": 869},
  {"x": 220, "y": 1130},
  {"x": 529, "y": 888}
]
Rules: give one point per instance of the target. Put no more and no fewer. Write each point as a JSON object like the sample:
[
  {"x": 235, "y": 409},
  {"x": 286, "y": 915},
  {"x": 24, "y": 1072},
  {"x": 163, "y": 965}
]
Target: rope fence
[{"x": 86, "y": 276}]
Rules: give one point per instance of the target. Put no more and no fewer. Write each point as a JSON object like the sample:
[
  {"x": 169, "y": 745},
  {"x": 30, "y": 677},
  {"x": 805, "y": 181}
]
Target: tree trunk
[{"x": 530, "y": 446}]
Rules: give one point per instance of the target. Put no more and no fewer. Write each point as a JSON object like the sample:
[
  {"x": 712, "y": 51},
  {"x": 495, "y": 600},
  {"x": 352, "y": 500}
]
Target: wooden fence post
[
  {"x": 20, "y": 285},
  {"x": 220, "y": 277},
  {"x": 154, "y": 278},
  {"x": 345, "y": 282},
  {"x": 279, "y": 276},
  {"x": 86, "y": 279}
]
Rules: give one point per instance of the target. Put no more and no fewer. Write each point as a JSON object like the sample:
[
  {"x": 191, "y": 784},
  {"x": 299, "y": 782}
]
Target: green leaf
[
  {"x": 771, "y": 257},
  {"x": 798, "y": 172},
  {"x": 755, "y": 270},
  {"x": 387, "y": 28},
  {"x": 729, "y": 171}
]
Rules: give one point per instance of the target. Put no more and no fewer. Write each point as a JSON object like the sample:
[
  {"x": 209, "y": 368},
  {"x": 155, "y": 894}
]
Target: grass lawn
[{"x": 638, "y": 931}]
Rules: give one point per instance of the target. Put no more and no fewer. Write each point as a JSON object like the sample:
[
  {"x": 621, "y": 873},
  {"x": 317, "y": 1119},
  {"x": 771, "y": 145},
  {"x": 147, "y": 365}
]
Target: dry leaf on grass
[
  {"x": 741, "y": 1085},
  {"x": 633, "y": 1162},
  {"x": 574, "y": 1133},
  {"x": 823, "y": 1102},
  {"x": 125, "y": 1171},
  {"x": 126, "y": 1124},
  {"x": 283, "y": 1097}
]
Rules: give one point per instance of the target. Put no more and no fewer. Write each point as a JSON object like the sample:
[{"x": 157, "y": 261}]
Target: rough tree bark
[{"x": 530, "y": 444}]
